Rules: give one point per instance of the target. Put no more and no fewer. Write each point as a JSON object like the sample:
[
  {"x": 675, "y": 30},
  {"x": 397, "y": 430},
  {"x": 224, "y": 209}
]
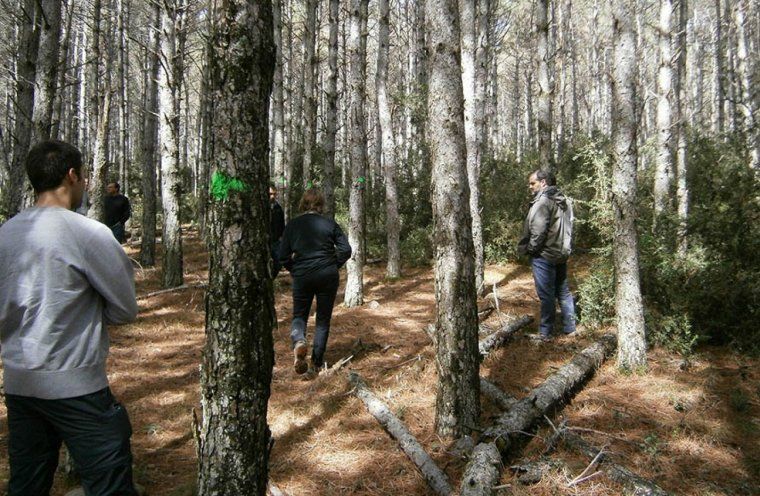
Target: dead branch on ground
[{"x": 434, "y": 476}]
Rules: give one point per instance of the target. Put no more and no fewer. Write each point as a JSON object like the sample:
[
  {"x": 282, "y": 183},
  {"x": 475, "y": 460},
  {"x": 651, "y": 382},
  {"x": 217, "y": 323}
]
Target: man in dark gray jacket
[
  {"x": 542, "y": 241},
  {"x": 63, "y": 277}
]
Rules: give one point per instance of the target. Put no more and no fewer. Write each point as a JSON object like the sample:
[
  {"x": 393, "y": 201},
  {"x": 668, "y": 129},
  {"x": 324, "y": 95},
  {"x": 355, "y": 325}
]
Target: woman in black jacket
[{"x": 313, "y": 248}]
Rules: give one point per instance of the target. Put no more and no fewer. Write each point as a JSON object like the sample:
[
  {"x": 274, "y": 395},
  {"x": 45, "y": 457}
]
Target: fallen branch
[
  {"x": 483, "y": 470},
  {"x": 511, "y": 425},
  {"x": 202, "y": 285},
  {"x": 635, "y": 483},
  {"x": 434, "y": 476},
  {"x": 503, "y": 400},
  {"x": 498, "y": 338}
]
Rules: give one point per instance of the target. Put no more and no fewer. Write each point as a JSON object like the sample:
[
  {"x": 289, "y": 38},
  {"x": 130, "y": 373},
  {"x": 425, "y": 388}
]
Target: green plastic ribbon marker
[
  {"x": 361, "y": 179},
  {"x": 309, "y": 184},
  {"x": 222, "y": 184}
]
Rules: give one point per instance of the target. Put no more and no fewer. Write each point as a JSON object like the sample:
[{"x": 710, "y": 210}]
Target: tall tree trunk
[
  {"x": 392, "y": 227},
  {"x": 747, "y": 101},
  {"x": 26, "y": 69},
  {"x": 456, "y": 328},
  {"x": 664, "y": 164},
  {"x": 99, "y": 115},
  {"x": 682, "y": 186},
  {"x": 473, "y": 85},
  {"x": 628, "y": 304},
  {"x": 331, "y": 112},
  {"x": 170, "y": 83},
  {"x": 123, "y": 75},
  {"x": 148, "y": 139},
  {"x": 236, "y": 373},
  {"x": 545, "y": 89},
  {"x": 356, "y": 222},
  {"x": 310, "y": 65},
  {"x": 278, "y": 104},
  {"x": 65, "y": 62},
  {"x": 719, "y": 97},
  {"x": 47, "y": 67}
]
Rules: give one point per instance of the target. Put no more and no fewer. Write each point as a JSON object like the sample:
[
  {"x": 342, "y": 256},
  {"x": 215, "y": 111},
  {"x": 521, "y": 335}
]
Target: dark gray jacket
[{"x": 541, "y": 236}]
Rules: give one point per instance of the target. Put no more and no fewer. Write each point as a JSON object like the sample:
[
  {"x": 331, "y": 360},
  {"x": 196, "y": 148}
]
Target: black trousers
[
  {"x": 96, "y": 430},
  {"x": 323, "y": 285}
]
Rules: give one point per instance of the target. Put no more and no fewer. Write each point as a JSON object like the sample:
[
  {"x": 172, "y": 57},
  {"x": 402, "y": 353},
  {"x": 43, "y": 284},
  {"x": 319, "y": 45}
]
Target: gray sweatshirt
[{"x": 62, "y": 278}]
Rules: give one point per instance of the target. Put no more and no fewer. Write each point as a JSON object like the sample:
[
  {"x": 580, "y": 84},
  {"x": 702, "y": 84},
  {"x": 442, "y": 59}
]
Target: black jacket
[
  {"x": 311, "y": 243},
  {"x": 117, "y": 209},
  {"x": 277, "y": 222}
]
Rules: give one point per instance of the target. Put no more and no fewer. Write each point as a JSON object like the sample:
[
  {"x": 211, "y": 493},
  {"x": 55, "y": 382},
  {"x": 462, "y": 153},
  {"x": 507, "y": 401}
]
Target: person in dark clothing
[
  {"x": 117, "y": 210},
  {"x": 312, "y": 249},
  {"x": 276, "y": 225}
]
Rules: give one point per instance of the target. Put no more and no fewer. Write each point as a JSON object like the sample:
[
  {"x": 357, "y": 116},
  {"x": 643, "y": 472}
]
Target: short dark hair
[
  {"x": 115, "y": 185},
  {"x": 312, "y": 200},
  {"x": 545, "y": 175},
  {"x": 48, "y": 162}
]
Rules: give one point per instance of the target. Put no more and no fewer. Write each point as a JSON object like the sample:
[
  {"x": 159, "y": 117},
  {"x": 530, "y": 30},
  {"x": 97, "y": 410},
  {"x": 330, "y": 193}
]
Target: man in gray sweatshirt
[{"x": 63, "y": 277}]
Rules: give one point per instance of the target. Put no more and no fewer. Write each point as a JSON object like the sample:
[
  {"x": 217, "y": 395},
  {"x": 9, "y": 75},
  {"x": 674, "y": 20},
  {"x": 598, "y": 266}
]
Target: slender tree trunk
[
  {"x": 310, "y": 65},
  {"x": 65, "y": 62},
  {"x": 148, "y": 139},
  {"x": 719, "y": 115},
  {"x": 170, "y": 83},
  {"x": 26, "y": 69},
  {"x": 278, "y": 104},
  {"x": 664, "y": 164},
  {"x": 331, "y": 113},
  {"x": 356, "y": 223},
  {"x": 123, "y": 74},
  {"x": 233, "y": 439},
  {"x": 392, "y": 227},
  {"x": 100, "y": 116},
  {"x": 628, "y": 304},
  {"x": 47, "y": 67},
  {"x": 747, "y": 102},
  {"x": 456, "y": 327},
  {"x": 473, "y": 85},
  {"x": 682, "y": 186},
  {"x": 545, "y": 89}
]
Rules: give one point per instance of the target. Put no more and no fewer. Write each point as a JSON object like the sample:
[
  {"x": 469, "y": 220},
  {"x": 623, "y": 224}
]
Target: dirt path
[{"x": 694, "y": 431}]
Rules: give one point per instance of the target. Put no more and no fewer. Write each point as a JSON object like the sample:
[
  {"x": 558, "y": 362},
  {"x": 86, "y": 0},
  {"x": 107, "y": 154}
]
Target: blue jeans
[
  {"x": 118, "y": 232},
  {"x": 551, "y": 285}
]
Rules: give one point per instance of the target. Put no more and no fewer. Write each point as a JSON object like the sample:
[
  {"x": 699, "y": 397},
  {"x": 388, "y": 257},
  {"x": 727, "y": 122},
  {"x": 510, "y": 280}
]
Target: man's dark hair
[
  {"x": 48, "y": 162},
  {"x": 545, "y": 175},
  {"x": 116, "y": 185}
]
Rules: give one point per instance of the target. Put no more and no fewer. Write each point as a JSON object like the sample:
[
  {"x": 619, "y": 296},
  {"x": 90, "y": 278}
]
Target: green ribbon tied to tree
[{"x": 222, "y": 184}]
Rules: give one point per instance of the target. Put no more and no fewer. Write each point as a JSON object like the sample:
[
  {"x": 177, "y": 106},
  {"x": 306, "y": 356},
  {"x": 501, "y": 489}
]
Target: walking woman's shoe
[{"x": 299, "y": 352}]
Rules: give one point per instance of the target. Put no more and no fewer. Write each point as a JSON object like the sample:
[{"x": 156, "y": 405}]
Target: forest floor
[{"x": 692, "y": 429}]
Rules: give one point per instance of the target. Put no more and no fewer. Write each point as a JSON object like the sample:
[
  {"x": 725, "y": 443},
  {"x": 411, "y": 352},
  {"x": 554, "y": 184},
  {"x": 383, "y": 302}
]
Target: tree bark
[
  {"x": 331, "y": 112},
  {"x": 456, "y": 326},
  {"x": 682, "y": 81},
  {"x": 148, "y": 139},
  {"x": 234, "y": 440},
  {"x": 26, "y": 70},
  {"x": 392, "y": 226},
  {"x": 747, "y": 101},
  {"x": 47, "y": 67},
  {"x": 719, "y": 97},
  {"x": 664, "y": 163},
  {"x": 545, "y": 89},
  {"x": 354, "y": 294},
  {"x": 628, "y": 304},
  {"x": 435, "y": 477},
  {"x": 498, "y": 338},
  {"x": 169, "y": 85},
  {"x": 310, "y": 65}
]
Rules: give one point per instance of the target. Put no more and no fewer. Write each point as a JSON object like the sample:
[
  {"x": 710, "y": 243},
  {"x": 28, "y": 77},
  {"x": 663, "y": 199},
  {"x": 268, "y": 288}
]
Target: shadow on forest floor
[{"x": 693, "y": 430}]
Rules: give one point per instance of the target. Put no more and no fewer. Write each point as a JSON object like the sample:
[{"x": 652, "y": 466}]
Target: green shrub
[{"x": 417, "y": 246}]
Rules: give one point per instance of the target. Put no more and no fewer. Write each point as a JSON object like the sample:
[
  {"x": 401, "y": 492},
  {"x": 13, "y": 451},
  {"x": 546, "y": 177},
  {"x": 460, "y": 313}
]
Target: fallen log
[
  {"x": 434, "y": 476},
  {"x": 511, "y": 426},
  {"x": 503, "y": 400},
  {"x": 498, "y": 338},
  {"x": 639, "y": 486},
  {"x": 483, "y": 470}
]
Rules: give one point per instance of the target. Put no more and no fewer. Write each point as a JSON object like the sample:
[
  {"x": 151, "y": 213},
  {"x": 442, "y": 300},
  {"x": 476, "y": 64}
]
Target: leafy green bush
[{"x": 417, "y": 246}]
